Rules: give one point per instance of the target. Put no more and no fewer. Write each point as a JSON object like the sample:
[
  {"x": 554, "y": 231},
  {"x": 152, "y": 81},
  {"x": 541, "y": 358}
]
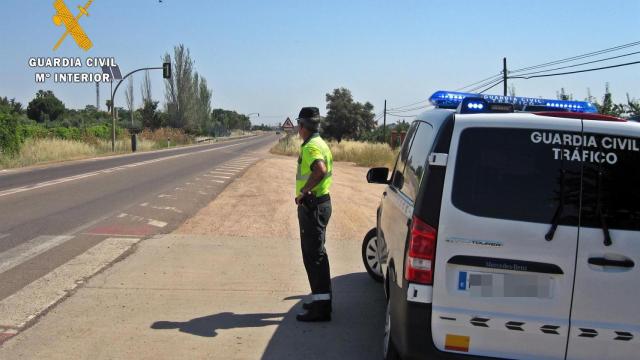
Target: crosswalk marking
[
  {"x": 19, "y": 309},
  {"x": 221, "y": 177},
  {"x": 28, "y": 250}
]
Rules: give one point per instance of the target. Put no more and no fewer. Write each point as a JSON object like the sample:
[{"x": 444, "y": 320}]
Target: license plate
[{"x": 479, "y": 284}]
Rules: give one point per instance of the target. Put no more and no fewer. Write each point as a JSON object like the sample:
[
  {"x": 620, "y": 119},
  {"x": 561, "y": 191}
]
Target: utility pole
[
  {"x": 384, "y": 123},
  {"x": 504, "y": 76},
  {"x": 97, "y": 96}
]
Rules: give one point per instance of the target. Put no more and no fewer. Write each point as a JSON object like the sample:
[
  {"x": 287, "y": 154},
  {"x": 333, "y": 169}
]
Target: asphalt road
[{"x": 51, "y": 214}]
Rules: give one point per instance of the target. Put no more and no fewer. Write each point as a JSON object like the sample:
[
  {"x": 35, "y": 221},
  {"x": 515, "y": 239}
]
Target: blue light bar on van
[{"x": 451, "y": 100}]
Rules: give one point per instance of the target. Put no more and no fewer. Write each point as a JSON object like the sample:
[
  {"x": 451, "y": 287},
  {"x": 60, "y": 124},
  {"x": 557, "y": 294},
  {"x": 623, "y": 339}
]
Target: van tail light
[{"x": 422, "y": 250}]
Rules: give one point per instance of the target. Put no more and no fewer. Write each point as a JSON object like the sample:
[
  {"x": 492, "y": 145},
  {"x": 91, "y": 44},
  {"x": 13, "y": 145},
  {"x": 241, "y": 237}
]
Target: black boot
[
  {"x": 307, "y": 306},
  {"x": 319, "y": 311}
]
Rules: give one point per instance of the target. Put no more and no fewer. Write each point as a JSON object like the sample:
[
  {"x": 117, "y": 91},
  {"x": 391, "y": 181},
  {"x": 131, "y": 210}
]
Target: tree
[
  {"x": 179, "y": 89},
  {"x": 187, "y": 95},
  {"x": 10, "y": 106},
  {"x": 633, "y": 106},
  {"x": 149, "y": 114},
  {"x": 608, "y": 107},
  {"x": 223, "y": 121},
  {"x": 562, "y": 95},
  {"x": 145, "y": 88},
  {"x": 347, "y": 118},
  {"x": 203, "y": 103},
  {"x": 10, "y": 136},
  {"x": 45, "y": 106},
  {"x": 129, "y": 97}
]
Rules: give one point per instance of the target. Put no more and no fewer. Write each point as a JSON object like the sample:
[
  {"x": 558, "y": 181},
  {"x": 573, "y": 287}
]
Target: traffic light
[{"x": 166, "y": 70}]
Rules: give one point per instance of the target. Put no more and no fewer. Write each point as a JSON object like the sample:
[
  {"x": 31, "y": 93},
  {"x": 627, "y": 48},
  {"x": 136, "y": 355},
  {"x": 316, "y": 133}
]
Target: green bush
[
  {"x": 66, "y": 133},
  {"x": 32, "y": 131},
  {"x": 99, "y": 131},
  {"x": 10, "y": 137}
]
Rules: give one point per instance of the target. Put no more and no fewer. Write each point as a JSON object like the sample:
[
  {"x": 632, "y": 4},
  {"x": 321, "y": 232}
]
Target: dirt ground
[
  {"x": 227, "y": 284},
  {"x": 261, "y": 202}
]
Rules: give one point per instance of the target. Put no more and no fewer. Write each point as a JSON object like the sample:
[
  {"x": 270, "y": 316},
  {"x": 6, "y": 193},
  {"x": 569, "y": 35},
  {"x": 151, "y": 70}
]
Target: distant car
[
  {"x": 511, "y": 235},
  {"x": 277, "y": 132},
  {"x": 635, "y": 118}
]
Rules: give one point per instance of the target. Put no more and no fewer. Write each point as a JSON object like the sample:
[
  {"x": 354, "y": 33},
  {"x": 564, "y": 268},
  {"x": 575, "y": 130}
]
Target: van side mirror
[{"x": 378, "y": 175}]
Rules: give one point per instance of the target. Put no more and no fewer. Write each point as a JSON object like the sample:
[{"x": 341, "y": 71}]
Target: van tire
[
  {"x": 370, "y": 255},
  {"x": 389, "y": 349}
]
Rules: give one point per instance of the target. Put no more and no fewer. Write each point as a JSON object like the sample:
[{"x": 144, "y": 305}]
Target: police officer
[{"x": 313, "y": 179}]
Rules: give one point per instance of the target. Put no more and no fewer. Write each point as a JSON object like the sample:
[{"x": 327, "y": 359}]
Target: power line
[
  {"x": 403, "y": 116},
  {"x": 492, "y": 86},
  {"x": 575, "y": 72},
  {"x": 404, "y": 106},
  {"x": 581, "y": 64},
  {"x": 577, "y": 57},
  {"x": 485, "y": 84},
  {"x": 481, "y": 81},
  {"x": 408, "y": 110}
]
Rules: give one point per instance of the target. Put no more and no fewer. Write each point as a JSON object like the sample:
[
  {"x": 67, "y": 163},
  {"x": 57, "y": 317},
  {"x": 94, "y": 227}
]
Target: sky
[{"x": 274, "y": 57}]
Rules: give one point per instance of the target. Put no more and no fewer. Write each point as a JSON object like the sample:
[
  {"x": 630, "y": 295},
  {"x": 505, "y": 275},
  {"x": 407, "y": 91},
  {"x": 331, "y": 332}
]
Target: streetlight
[{"x": 249, "y": 116}]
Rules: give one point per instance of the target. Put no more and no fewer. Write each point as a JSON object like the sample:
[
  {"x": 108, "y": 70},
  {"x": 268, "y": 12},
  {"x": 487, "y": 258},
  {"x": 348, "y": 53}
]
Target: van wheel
[
  {"x": 390, "y": 352},
  {"x": 370, "y": 255}
]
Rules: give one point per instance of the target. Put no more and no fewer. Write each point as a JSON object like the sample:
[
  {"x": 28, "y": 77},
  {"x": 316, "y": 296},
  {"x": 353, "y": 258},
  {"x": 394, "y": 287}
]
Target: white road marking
[
  {"x": 105, "y": 171},
  {"x": 137, "y": 218},
  {"x": 227, "y": 169},
  {"x": 167, "y": 196},
  {"x": 144, "y": 204},
  {"x": 223, "y": 172},
  {"x": 17, "y": 310},
  {"x": 157, "y": 223},
  {"x": 231, "y": 167},
  {"x": 122, "y": 215},
  {"x": 221, "y": 177},
  {"x": 28, "y": 250},
  {"x": 202, "y": 192},
  {"x": 188, "y": 183},
  {"x": 168, "y": 208},
  {"x": 219, "y": 181}
]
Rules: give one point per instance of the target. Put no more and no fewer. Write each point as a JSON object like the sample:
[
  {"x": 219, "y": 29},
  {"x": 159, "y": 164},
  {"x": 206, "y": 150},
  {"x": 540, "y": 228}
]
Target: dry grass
[
  {"x": 35, "y": 151},
  {"x": 38, "y": 151},
  {"x": 361, "y": 153}
]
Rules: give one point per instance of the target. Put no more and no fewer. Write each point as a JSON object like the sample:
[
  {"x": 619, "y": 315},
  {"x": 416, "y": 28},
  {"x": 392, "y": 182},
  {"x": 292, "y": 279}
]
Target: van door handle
[{"x": 600, "y": 261}]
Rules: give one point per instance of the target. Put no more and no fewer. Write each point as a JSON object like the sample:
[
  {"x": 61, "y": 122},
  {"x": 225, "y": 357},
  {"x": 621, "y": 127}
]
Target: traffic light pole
[{"x": 113, "y": 94}]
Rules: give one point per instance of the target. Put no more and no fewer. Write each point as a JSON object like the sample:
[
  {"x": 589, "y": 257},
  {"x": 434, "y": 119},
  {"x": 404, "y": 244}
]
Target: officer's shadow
[{"x": 207, "y": 325}]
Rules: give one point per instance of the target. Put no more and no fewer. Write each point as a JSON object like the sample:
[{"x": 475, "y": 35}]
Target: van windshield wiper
[
  {"x": 600, "y": 213},
  {"x": 555, "y": 221}
]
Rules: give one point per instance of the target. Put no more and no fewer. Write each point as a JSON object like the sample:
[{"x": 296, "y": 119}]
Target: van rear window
[
  {"x": 503, "y": 173},
  {"x": 530, "y": 175}
]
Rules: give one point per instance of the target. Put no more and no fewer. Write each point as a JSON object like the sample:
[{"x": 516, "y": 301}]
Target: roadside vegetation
[
  {"x": 361, "y": 153},
  {"x": 47, "y": 131}
]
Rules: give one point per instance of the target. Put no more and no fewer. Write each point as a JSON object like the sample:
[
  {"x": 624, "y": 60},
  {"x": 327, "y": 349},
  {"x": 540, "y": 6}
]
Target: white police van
[{"x": 510, "y": 229}]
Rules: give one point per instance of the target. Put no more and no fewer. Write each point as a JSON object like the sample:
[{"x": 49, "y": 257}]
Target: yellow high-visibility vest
[{"x": 311, "y": 150}]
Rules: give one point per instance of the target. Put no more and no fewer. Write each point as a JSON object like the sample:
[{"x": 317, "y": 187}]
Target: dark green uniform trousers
[{"x": 313, "y": 225}]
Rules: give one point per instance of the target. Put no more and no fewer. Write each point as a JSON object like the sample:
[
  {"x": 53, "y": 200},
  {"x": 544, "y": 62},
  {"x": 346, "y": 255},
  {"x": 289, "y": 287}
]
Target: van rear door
[
  {"x": 507, "y": 238},
  {"x": 605, "y": 317}
]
